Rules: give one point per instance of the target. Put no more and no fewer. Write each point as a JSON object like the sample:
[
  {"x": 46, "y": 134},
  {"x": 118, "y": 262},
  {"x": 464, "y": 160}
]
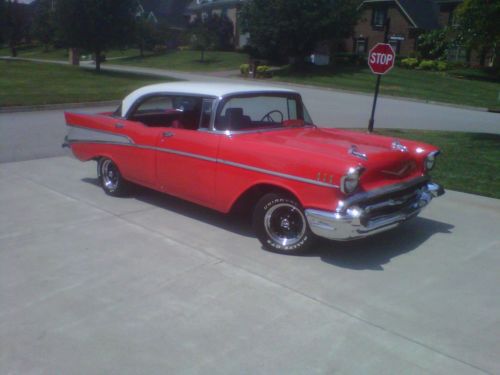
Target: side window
[
  {"x": 258, "y": 111},
  {"x": 176, "y": 111},
  {"x": 206, "y": 113},
  {"x": 155, "y": 104}
]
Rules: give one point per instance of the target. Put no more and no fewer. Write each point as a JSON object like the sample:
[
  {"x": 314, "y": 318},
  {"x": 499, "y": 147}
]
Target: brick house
[
  {"x": 229, "y": 8},
  {"x": 409, "y": 18}
]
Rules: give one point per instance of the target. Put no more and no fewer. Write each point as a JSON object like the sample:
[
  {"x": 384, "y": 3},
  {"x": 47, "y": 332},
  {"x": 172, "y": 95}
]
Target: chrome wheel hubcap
[
  {"x": 285, "y": 224},
  {"x": 110, "y": 175}
]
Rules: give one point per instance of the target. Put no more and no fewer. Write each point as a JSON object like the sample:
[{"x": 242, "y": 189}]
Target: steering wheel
[{"x": 268, "y": 116}]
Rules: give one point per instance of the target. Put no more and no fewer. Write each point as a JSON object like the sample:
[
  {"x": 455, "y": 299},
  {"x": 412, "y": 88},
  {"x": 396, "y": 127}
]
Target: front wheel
[
  {"x": 111, "y": 179},
  {"x": 281, "y": 226}
]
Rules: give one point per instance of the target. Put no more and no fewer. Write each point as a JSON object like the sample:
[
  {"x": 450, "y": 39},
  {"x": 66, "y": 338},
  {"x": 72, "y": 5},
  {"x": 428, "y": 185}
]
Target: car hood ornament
[
  {"x": 396, "y": 145},
  {"x": 353, "y": 150}
]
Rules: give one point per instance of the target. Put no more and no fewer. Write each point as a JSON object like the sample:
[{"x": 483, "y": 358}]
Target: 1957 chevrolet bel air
[{"x": 222, "y": 145}]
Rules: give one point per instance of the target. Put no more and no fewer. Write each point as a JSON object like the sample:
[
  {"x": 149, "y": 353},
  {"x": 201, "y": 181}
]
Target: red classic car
[{"x": 224, "y": 146}]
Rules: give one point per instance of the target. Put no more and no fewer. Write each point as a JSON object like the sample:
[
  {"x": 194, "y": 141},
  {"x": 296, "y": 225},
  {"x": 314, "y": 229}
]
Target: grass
[
  {"x": 26, "y": 83},
  {"x": 37, "y": 52},
  {"x": 457, "y": 87},
  {"x": 470, "y": 162},
  {"x": 189, "y": 61}
]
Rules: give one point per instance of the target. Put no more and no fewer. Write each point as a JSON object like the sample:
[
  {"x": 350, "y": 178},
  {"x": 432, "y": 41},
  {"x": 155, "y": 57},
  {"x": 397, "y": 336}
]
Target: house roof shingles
[
  {"x": 423, "y": 14},
  {"x": 207, "y": 4}
]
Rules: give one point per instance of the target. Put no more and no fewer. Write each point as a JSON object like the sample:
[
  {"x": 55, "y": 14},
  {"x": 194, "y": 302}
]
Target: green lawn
[
  {"x": 37, "y": 52},
  {"x": 447, "y": 87},
  {"x": 26, "y": 83},
  {"x": 189, "y": 61},
  {"x": 470, "y": 162}
]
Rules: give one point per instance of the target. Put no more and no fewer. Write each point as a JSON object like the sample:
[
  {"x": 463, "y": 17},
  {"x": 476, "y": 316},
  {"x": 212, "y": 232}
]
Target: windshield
[{"x": 260, "y": 111}]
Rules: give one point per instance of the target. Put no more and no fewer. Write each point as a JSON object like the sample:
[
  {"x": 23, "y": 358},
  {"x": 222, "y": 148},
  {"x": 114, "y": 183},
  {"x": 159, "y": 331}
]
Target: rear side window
[
  {"x": 155, "y": 104},
  {"x": 176, "y": 111}
]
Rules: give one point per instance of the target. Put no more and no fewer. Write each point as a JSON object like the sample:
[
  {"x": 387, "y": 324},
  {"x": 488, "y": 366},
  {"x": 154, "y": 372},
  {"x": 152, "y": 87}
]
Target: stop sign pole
[{"x": 374, "y": 61}]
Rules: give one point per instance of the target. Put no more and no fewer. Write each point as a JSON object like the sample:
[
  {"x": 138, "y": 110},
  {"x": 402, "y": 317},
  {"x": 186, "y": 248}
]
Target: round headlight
[
  {"x": 430, "y": 160},
  {"x": 350, "y": 181}
]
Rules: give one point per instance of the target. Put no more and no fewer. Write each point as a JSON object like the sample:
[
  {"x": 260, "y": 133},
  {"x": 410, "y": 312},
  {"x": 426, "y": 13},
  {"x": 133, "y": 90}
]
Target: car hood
[{"x": 342, "y": 149}]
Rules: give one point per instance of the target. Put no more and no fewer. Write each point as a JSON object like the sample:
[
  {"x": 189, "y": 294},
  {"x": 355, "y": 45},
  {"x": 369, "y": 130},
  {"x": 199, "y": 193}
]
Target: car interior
[{"x": 174, "y": 112}]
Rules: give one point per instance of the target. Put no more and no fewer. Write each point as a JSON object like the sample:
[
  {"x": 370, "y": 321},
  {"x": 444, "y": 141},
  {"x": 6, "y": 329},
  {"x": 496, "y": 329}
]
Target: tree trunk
[
  {"x": 141, "y": 48},
  {"x": 13, "y": 50},
  {"x": 202, "y": 55},
  {"x": 482, "y": 57},
  {"x": 98, "y": 61},
  {"x": 496, "y": 60}
]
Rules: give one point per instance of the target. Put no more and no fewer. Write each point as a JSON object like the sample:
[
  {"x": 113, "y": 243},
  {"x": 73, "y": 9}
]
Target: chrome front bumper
[{"x": 373, "y": 213}]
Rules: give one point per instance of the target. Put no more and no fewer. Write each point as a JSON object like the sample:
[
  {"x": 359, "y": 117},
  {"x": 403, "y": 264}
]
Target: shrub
[
  {"x": 410, "y": 63},
  {"x": 160, "y": 48},
  {"x": 442, "y": 66},
  {"x": 427, "y": 65},
  {"x": 244, "y": 69},
  {"x": 263, "y": 71}
]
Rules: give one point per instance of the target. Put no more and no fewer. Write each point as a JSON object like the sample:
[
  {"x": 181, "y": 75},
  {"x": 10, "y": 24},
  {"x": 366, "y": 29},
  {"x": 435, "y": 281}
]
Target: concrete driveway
[{"x": 149, "y": 284}]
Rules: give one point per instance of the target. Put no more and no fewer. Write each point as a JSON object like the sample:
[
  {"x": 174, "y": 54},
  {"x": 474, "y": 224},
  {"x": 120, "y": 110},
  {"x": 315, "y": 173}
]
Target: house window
[
  {"x": 360, "y": 45},
  {"x": 457, "y": 53},
  {"x": 379, "y": 17},
  {"x": 395, "y": 42}
]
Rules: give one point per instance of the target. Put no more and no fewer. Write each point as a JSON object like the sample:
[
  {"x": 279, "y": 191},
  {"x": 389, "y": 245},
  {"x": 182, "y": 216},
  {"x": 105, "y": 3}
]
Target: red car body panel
[
  {"x": 214, "y": 169},
  {"x": 213, "y": 144}
]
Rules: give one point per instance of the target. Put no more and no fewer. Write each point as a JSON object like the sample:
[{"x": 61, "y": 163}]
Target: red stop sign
[{"x": 381, "y": 58}]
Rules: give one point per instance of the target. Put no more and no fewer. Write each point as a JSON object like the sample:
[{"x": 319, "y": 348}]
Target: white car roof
[{"x": 196, "y": 88}]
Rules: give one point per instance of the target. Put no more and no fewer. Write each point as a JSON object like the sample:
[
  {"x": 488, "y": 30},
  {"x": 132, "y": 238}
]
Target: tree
[
  {"x": 433, "y": 45},
  {"x": 201, "y": 35},
  {"x": 292, "y": 28},
  {"x": 96, "y": 25},
  {"x": 479, "y": 26},
  {"x": 14, "y": 24},
  {"x": 43, "y": 23},
  {"x": 3, "y": 20},
  {"x": 211, "y": 32}
]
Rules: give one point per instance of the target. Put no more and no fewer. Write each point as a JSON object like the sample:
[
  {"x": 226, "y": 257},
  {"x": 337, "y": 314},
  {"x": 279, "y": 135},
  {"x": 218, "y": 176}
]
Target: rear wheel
[
  {"x": 281, "y": 226},
  {"x": 111, "y": 179}
]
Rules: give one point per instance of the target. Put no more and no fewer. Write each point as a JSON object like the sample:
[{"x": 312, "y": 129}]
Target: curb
[
  {"x": 364, "y": 93},
  {"x": 48, "y": 107},
  {"x": 284, "y": 83}
]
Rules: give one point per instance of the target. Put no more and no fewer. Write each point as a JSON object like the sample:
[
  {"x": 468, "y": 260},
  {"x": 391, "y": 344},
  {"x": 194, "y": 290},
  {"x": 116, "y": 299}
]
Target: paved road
[
  {"x": 30, "y": 135},
  {"x": 149, "y": 284}
]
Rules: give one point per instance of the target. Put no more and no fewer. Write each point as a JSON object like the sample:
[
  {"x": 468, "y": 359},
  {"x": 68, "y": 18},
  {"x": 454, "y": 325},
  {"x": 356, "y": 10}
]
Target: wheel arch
[{"x": 247, "y": 200}]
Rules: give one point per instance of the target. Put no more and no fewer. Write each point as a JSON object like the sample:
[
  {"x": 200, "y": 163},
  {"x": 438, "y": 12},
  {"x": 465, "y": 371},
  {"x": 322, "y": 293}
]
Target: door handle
[
  {"x": 119, "y": 125},
  {"x": 168, "y": 134}
]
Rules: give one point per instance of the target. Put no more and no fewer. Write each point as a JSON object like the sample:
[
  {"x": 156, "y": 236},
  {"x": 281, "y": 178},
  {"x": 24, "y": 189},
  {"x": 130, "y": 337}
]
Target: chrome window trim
[
  {"x": 144, "y": 97},
  {"x": 225, "y": 98}
]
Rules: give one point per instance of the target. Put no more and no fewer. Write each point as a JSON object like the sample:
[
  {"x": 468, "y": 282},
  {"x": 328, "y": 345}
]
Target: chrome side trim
[
  {"x": 177, "y": 152},
  {"x": 81, "y": 134},
  {"x": 213, "y": 160},
  {"x": 278, "y": 174}
]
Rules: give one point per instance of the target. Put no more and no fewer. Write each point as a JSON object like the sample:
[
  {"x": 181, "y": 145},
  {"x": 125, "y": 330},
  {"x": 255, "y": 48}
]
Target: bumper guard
[{"x": 358, "y": 222}]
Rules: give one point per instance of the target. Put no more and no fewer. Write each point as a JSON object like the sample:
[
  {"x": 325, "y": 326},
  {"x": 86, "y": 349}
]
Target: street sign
[{"x": 381, "y": 58}]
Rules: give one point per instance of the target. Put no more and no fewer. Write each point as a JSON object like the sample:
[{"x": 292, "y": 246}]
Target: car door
[
  {"x": 186, "y": 157},
  {"x": 148, "y": 118}
]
